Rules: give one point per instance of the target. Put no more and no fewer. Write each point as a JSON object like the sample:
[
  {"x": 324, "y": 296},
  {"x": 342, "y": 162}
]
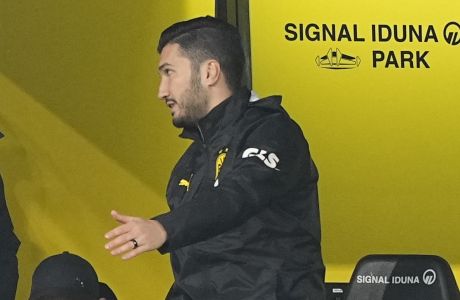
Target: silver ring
[{"x": 135, "y": 244}]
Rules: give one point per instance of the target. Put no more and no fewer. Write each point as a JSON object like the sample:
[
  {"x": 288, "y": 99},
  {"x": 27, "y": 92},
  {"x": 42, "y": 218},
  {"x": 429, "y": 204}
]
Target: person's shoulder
[
  {"x": 268, "y": 110},
  {"x": 270, "y": 103},
  {"x": 269, "y": 119},
  {"x": 268, "y": 107}
]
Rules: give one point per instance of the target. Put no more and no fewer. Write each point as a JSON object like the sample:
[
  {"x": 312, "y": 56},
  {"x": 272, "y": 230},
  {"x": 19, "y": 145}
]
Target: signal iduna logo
[{"x": 378, "y": 34}]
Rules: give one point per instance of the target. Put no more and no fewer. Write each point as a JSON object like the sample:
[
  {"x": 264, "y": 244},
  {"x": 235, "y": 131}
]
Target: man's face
[{"x": 181, "y": 88}]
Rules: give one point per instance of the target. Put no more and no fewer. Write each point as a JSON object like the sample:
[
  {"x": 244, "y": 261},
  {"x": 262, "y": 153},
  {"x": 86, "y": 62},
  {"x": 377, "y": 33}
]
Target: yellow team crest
[{"x": 220, "y": 160}]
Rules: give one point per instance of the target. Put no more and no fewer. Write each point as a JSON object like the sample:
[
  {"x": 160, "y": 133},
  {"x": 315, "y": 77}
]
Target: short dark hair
[{"x": 209, "y": 38}]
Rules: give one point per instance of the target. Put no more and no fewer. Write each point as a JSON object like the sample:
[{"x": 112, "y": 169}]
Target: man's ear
[{"x": 210, "y": 72}]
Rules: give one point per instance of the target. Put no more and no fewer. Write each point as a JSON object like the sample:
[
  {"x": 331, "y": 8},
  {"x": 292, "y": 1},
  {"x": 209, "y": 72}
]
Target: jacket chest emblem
[
  {"x": 186, "y": 182},
  {"x": 221, "y": 155}
]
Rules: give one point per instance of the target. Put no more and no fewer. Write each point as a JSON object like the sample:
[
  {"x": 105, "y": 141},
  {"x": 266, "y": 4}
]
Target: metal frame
[{"x": 236, "y": 12}]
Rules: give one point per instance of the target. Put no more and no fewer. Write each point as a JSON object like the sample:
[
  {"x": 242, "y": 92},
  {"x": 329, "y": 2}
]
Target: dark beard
[{"x": 195, "y": 105}]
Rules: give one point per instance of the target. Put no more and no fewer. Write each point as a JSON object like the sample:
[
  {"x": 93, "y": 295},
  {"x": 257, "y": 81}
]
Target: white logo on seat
[
  {"x": 429, "y": 277},
  {"x": 269, "y": 159}
]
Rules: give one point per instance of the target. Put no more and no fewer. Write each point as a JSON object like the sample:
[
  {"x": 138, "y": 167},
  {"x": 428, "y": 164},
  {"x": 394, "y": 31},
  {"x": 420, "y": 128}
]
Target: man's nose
[{"x": 163, "y": 90}]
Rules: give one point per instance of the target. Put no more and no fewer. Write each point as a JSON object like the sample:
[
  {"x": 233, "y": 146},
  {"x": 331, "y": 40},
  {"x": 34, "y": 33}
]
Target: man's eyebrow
[{"x": 160, "y": 68}]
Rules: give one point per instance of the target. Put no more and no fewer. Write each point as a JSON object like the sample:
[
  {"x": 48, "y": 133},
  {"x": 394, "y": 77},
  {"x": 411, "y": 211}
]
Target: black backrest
[{"x": 402, "y": 277}]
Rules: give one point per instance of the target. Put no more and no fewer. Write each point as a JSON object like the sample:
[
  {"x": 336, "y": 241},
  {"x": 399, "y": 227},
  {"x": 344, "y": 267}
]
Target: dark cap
[
  {"x": 64, "y": 275},
  {"x": 1, "y": 135}
]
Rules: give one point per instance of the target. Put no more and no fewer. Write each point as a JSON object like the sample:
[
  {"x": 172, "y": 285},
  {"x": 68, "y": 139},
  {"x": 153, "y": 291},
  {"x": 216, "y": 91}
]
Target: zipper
[
  {"x": 201, "y": 135},
  {"x": 190, "y": 182}
]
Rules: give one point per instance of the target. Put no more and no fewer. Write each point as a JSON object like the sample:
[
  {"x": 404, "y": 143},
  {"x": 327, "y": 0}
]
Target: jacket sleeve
[{"x": 270, "y": 161}]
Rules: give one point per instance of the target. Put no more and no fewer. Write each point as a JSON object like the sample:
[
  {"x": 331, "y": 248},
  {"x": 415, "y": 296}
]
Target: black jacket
[{"x": 244, "y": 219}]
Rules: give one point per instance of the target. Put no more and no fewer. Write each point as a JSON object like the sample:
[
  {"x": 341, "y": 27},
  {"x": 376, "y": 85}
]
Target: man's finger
[
  {"x": 134, "y": 252},
  {"x": 120, "y": 244},
  {"x": 117, "y": 231},
  {"x": 128, "y": 250},
  {"x": 124, "y": 247},
  {"x": 121, "y": 218}
]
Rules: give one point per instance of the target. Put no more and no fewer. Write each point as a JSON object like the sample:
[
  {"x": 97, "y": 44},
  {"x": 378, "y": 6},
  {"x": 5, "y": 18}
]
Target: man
[
  {"x": 9, "y": 245},
  {"x": 244, "y": 219},
  {"x": 64, "y": 276}
]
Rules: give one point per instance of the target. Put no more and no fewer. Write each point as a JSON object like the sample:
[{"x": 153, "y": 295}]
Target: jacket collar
[
  {"x": 218, "y": 118},
  {"x": 226, "y": 113}
]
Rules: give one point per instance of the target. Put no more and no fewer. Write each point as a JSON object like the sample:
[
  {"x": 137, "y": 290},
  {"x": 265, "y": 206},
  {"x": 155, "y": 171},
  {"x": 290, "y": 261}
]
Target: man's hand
[{"x": 134, "y": 236}]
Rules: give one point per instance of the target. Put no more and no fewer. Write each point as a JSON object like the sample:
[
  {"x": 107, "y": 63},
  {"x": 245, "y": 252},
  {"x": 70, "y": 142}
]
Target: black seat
[{"x": 402, "y": 277}]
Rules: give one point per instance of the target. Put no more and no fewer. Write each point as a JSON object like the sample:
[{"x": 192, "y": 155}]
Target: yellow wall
[
  {"x": 386, "y": 140},
  {"x": 84, "y": 132}
]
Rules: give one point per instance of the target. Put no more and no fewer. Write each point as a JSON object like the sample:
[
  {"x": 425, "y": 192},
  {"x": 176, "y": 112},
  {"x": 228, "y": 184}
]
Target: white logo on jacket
[{"x": 269, "y": 159}]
